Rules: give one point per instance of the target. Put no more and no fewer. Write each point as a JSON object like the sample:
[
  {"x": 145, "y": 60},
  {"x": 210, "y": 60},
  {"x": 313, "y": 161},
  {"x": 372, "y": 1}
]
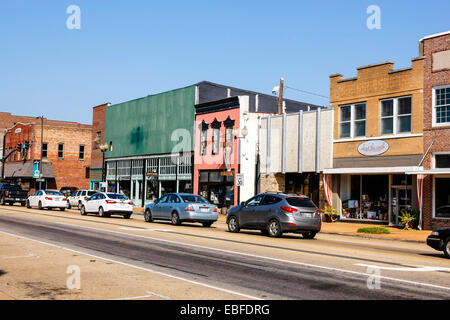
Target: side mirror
[
  {"x": 156, "y": 201},
  {"x": 242, "y": 204}
]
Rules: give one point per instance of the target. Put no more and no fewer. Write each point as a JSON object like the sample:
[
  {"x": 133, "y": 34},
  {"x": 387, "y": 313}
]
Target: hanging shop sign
[{"x": 373, "y": 147}]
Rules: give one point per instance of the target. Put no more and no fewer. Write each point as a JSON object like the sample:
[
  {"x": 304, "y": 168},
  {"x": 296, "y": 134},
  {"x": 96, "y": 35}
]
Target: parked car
[
  {"x": 106, "y": 204},
  {"x": 69, "y": 190},
  {"x": 275, "y": 214},
  {"x": 78, "y": 198},
  {"x": 47, "y": 199},
  {"x": 439, "y": 239},
  {"x": 12, "y": 193},
  {"x": 182, "y": 207}
]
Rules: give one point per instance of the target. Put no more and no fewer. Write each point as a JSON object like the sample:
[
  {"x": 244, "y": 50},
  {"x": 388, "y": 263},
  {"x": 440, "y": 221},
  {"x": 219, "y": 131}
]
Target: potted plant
[
  {"x": 408, "y": 218},
  {"x": 331, "y": 214}
]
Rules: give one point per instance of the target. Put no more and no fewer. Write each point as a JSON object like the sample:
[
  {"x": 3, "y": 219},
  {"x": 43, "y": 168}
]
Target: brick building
[
  {"x": 66, "y": 153},
  {"x": 378, "y": 138},
  {"x": 436, "y": 93},
  {"x": 98, "y": 139}
]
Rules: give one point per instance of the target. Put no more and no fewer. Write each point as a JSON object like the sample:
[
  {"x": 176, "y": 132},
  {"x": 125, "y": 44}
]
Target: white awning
[
  {"x": 431, "y": 172},
  {"x": 372, "y": 170}
]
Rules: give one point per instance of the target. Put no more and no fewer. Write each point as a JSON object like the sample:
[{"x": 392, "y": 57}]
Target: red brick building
[
  {"x": 66, "y": 153},
  {"x": 436, "y": 186}
]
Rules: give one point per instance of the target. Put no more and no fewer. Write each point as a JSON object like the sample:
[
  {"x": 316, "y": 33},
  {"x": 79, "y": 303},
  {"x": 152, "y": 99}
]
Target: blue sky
[{"x": 129, "y": 49}]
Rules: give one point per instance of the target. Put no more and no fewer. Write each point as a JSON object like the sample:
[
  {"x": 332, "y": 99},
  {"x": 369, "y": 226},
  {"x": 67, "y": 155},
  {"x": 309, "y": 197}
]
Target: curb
[{"x": 373, "y": 237}]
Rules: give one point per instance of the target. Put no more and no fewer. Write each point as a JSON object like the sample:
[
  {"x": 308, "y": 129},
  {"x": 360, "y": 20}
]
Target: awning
[
  {"x": 25, "y": 170},
  {"x": 431, "y": 172},
  {"x": 370, "y": 170}
]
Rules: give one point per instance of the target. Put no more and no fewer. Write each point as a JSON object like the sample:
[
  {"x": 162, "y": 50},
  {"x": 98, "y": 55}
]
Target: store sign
[{"x": 373, "y": 147}]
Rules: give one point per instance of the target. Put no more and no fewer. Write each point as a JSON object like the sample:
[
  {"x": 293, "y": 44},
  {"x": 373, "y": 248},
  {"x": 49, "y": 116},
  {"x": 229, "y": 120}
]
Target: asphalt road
[{"x": 235, "y": 266}]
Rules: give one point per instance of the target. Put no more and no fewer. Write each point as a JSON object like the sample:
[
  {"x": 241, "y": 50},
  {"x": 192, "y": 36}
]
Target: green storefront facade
[{"x": 150, "y": 145}]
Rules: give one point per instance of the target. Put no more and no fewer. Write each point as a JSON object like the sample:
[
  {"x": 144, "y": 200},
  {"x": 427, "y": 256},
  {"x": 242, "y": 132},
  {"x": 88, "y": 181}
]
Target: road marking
[
  {"x": 136, "y": 267},
  {"x": 150, "y": 294},
  {"x": 415, "y": 269},
  {"x": 31, "y": 255},
  {"x": 138, "y": 229},
  {"x": 263, "y": 257}
]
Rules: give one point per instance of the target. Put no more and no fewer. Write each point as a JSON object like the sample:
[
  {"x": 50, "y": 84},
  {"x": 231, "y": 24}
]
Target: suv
[
  {"x": 276, "y": 213},
  {"x": 11, "y": 193},
  {"x": 78, "y": 198}
]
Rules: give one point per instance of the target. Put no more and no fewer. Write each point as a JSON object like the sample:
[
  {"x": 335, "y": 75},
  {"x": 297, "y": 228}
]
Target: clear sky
[{"x": 129, "y": 49}]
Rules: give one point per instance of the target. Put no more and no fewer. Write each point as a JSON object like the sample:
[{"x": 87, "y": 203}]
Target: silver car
[
  {"x": 182, "y": 207},
  {"x": 275, "y": 214}
]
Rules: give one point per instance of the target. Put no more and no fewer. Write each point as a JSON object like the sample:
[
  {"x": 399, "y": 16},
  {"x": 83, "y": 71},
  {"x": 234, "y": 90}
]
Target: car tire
[
  {"x": 2, "y": 201},
  {"x": 23, "y": 204},
  {"x": 83, "y": 211},
  {"x": 447, "y": 248},
  {"x": 40, "y": 206},
  {"x": 127, "y": 216},
  {"x": 62, "y": 209},
  {"x": 274, "y": 228},
  {"x": 207, "y": 224},
  {"x": 28, "y": 204},
  {"x": 148, "y": 216},
  {"x": 175, "y": 219},
  {"x": 68, "y": 205},
  {"x": 79, "y": 204},
  {"x": 309, "y": 235},
  {"x": 233, "y": 224},
  {"x": 101, "y": 212},
  {"x": 10, "y": 203}
]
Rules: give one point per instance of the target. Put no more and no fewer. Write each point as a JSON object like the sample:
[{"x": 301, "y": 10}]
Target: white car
[
  {"x": 47, "y": 199},
  {"x": 106, "y": 204},
  {"x": 78, "y": 198}
]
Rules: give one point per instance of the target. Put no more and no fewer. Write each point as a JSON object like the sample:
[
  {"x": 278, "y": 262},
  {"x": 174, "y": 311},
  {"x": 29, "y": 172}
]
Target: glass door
[{"x": 401, "y": 199}]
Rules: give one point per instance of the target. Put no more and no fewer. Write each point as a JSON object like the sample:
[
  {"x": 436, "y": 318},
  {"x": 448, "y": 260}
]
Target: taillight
[
  {"x": 131, "y": 203},
  {"x": 85, "y": 198},
  {"x": 189, "y": 208},
  {"x": 318, "y": 212},
  {"x": 288, "y": 209},
  {"x": 48, "y": 198},
  {"x": 65, "y": 199},
  {"x": 216, "y": 210},
  {"x": 6, "y": 193},
  {"x": 110, "y": 202}
]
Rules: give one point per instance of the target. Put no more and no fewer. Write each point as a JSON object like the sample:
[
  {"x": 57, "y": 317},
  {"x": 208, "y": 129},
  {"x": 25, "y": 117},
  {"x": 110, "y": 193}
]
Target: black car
[{"x": 439, "y": 239}]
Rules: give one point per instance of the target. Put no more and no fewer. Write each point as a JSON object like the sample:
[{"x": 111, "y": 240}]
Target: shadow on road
[{"x": 2, "y": 273}]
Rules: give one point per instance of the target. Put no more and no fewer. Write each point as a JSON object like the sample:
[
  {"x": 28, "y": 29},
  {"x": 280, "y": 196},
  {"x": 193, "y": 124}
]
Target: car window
[
  {"x": 117, "y": 196},
  {"x": 176, "y": 199},
  {"x": 269, "y": 199},
  {"x": 193, "y": 199},
  {"x": 94, "y": 197},
  {"x": 255, "y": 201},
  {"x": 54, "y": 193},
  {"x": 164, "y": 199},
  {"x": 84, "y": 193},
  {"x": 300, "y": 202},
  {"x": 90, "y": 193}
]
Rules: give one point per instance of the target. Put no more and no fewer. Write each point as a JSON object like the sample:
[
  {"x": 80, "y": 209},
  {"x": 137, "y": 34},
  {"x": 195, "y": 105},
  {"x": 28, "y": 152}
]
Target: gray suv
[{"x": 276, "y": 213}]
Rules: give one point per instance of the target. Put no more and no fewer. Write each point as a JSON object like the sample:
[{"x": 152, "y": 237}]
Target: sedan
[
  {"x": 47, "y": 199},
  {"x": 182, "y": 207},
  {"x": 440, "y": 240},
  {"x": 275, "y": 214},
  {"x": 106, "y": 204}
]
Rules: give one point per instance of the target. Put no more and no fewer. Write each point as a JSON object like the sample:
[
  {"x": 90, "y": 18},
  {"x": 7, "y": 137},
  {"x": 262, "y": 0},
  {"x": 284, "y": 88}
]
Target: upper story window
[
  {"x": 396, "y": 115},
  {"x": 203, "y": 137},
  {"x": 44, "y": 150},
  {"x": 81, "y": 152},
  {"x": 60, "y": 150},
  {"x": 442, "y": 161},
  {"x": 215, "y": 125},
  {"x": 441, "y": 104},
  {"x": 352, "y": 120}
]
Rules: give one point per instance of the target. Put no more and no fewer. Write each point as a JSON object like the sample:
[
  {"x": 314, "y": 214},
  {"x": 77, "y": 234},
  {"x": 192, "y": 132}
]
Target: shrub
[{"x": 374, "y": 230}]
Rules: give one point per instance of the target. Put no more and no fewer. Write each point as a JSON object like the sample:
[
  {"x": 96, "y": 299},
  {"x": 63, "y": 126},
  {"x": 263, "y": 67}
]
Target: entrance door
[{"x": 401, "y": 199}]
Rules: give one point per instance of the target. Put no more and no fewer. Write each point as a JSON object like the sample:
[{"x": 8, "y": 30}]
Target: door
[
  {"x": 168, "y": 206},
  {"x": 157, "y": 208},
  {"x": 247, "y": 214},
  {"x": 265, "y": 210},
  {"x": 401, "y": 199},
  {"x": 91, "y": 205}
]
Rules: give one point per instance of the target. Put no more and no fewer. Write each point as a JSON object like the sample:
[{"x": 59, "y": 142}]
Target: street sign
[
  {"x": 239, "y": 180},
  {"x": 40, "y": 180},
  {"x": 36, "y": 174}
]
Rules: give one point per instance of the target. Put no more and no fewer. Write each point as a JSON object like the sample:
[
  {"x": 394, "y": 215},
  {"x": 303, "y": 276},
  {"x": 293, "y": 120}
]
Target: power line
[{"x": 312, "y": 93}]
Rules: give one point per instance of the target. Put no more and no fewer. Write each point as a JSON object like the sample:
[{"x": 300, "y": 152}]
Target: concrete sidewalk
[{"x": 350, "y": 229}]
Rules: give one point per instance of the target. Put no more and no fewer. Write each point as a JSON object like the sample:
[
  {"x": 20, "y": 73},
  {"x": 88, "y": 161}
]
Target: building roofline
[{"x": 435, "y": 35}]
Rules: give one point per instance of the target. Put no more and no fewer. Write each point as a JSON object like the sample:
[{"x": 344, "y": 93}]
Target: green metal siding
[{"x": 145, "y": 126}]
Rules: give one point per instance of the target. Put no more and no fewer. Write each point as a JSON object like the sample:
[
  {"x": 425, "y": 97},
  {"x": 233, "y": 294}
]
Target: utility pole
[
  {"x": 42, "y": 143},
  {"x": 3, "y": 157},
  {"x": 280, "y": 96}
]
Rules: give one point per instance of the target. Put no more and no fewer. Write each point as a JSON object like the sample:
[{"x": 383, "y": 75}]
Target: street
[{"x": 58, "y": 255}]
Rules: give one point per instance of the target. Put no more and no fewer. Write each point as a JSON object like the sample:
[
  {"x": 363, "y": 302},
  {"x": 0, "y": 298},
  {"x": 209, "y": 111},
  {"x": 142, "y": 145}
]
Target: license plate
[
  {"x": 58, "y": 199},
  {"x": 204, "y": 209},
  {"x": 308, "y": 215}
]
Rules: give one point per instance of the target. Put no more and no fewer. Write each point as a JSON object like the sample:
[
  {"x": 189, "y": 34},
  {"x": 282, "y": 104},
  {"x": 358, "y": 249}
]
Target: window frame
[
  {"x": 60, "y": 157},
  {"x": 81, "y": 152},
  {"x": 434, "y": 196},
  {"x": 433, "y": 106},
  {"x": 353, "y": 120},
  {"x": 395, "y": 116}
]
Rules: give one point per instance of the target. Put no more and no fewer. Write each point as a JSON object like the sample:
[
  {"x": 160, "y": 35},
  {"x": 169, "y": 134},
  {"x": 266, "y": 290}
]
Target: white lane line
[
  {"x": 136, "y": 267},
  {"x": 150, "y": 294},
  {"x": 415, "y": 269},
  {"x": 262, "y": 257},
  {"x": 31, "y": 255},
  {"x": 137, "y": 229}
]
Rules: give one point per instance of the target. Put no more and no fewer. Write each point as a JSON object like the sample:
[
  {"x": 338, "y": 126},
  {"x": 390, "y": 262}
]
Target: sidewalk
[{"x": 350, "y": 229}]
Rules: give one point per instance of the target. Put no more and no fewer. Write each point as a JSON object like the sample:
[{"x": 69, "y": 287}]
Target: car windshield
[
  {"x": 193, "y": 199},
  {"x": 53, "y": 193},
  {"x": 90, "y": 193},
  {"x": 300, "y": 202},
  {"x": 12, "y": 187},
  {"x": 116, "y": 196}
]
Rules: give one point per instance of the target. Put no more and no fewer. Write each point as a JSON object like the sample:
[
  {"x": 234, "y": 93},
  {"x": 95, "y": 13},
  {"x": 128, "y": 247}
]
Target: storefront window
[
  {"x": 442, "y": 198},
  {"x": 152, "y": 191},
  {"x": 168, "y": 187}
]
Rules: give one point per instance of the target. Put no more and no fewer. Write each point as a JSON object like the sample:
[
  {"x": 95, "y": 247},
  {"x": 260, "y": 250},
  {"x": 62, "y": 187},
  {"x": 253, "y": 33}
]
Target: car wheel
[
  {"x": 2, "y": 201},
  {"x": 175, "y": 219},
  {"x": 127, "y": 216},
  {"x": 83, "y": 211},
  {"x": 68, "y": 205},
  {"x": 233, "y": 225},
  {"x": 148, "y": 216},
  {"x": 23, "y": 204},
  {"x": 447, "y": 248},
  {"x": 62, "y": 209},
  {"x": 309, "y": 235},
  {"x": 40, "y": 206},
  {"x": 79, "y": 204},
  {"x": 207, "y": 224},
  {"x": 28, "y": 204},
  {"x": 10, "y": 203},
  {"x": 101, "y": 212},
  {"x": 274, "y": 229}
]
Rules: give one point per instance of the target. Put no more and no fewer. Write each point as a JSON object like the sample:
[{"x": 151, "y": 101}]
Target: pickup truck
[{"x": 12, "y": 193}]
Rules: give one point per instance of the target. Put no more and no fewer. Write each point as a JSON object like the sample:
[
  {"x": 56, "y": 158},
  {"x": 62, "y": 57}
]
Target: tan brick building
[
  {"x": 378, "y": 137},
  {"x": 436, "y": 187},
  {"x": 66, "y": 153}
]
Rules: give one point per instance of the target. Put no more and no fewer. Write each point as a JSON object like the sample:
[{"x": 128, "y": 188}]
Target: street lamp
[
  {"x": 103, "y": 148},
  {"x": 244, "y": 133}
]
